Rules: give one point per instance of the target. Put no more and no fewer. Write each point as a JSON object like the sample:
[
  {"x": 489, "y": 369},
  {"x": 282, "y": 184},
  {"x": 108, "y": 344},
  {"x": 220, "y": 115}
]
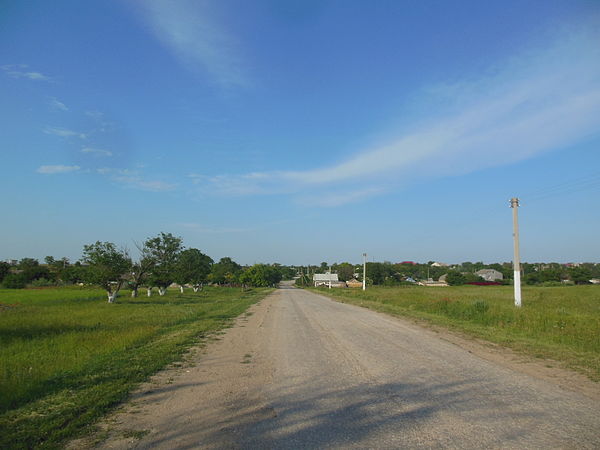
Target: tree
[
  {"x": 164, "y": 250},
  {"x": 455, "y": 278},
  {"x": 140, "y": 270},
  {"x": 73, "y": 273},
  {"x": 580, "y": 275},
  {"x": 14, "y": 281},
  {"x": 226, "y": 271},
  {"x": 345, "y": 271},
  {"x": 4, "y": 270},
  {"x": 193, "y": 267},
  {"x": 107, "y": 267},
  {"x": 261, "y": 275}
]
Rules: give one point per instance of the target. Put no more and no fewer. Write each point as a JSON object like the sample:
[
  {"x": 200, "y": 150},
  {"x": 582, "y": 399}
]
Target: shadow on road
[{"x": 303, "y": 418}]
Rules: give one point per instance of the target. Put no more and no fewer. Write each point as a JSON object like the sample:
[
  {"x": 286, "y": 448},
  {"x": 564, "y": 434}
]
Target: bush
[
  {"x": 42, "y": 282},
  {"x": 455, "y": 278},
  {"x": 14, "y": 281}
]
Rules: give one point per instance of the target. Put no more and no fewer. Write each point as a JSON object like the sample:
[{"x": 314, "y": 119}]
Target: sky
[{"x": 302, "y": 131}]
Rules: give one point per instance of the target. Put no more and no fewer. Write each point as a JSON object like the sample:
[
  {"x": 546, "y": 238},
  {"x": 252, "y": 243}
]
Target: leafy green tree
[
  {"x": 345, "y": 271},
  {"x": 27, "y": 263},
  {"x": 14, "y": 281},
  {"x": 73, "y": 273},
  {"x": 4, "y": 270},
  {"x": 164, "y": 251},
  {"x": 226, "y": 271},
  {"x": 261, "y": 275},
  {"x": 193, "y": 267},
  {"x": 107, "y": 267},
  {"x": 580, "y": 275},
  {"x": 455, "y": 278},
  {"x": 140, "y": 270}
]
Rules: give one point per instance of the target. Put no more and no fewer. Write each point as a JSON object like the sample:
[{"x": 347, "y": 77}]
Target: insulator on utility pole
[{"x": 514, "y": 204}]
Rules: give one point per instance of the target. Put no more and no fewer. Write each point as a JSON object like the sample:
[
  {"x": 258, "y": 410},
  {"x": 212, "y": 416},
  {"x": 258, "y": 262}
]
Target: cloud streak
[
  {"x": 133, "y": 179},
  {"x": 187, "y": 29},
  {"x": 64, "y": 132},
  {"x": 20, "y": 71},
  {"x": 56, "y": 169},
  {"x": 540, "y": 101},
  {"x": 96, "y": 151},
  {"x": 57, "y": 105}
]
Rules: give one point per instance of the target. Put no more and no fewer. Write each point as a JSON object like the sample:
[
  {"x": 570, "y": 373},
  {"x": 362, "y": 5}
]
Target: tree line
[
  {"x": 390, "y": 274},
  {"x": 162, "y": 261}
]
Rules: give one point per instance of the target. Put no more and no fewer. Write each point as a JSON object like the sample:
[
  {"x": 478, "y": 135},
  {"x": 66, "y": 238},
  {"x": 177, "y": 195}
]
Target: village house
[
  {"x": 327, "y": 279},
  {"x": 490, "y": 274}
]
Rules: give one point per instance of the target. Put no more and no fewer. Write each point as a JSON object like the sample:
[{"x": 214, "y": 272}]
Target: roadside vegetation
[
  {"x": 68, "y": 356},
  {"x": 560, "y": 323}
]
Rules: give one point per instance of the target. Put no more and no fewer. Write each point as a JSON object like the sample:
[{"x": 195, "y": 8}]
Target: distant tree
[
  {"x": 192, "y": 267},
  {"x": 580, "y": 275},
  {"x": 472, "y": 278},
  {"x": 164, "y": 250},
  {"x": 31, "y": 270},
  {"x": 324, "y": 266},
  {"x": 455, "y": 278},
  {"x": 140, "y": 270},
  {"x": 261, "y": 275},
  {"x": 27, "y": 263},
  {"x": 345, "y": 271},
  {"x": 107, "y": 267},
  {"x": 226, "y": 271},
  {"x": 73, "y": 273},
  {"x": 4, "y": 270},
  {"x": 14, "y": 281}
]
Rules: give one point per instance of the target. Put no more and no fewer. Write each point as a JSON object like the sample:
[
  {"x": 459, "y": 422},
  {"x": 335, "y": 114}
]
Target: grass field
[
  {"x": 560, "y": 323},
  {"x": 67, "y": 355}
]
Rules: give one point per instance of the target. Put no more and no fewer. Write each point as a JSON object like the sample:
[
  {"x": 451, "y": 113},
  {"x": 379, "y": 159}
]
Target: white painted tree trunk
[
  {"x": 112, "y": 297},
  {"x": 161, "y": 291},
  {"x": 134, "y": 292},
  {"x": 181, "y": 289},
  {"x": 196, "y": 288},
  {"x": 149, "y": 292}
]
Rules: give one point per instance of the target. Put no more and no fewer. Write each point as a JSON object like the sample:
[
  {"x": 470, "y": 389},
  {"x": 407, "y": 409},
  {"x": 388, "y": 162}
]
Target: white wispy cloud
[
  {"x": 20, "y": 71},
  {"x": 140, "y": 183},
  {"x": 135, "y": 179},
  {"x": 56, "y": 104},
  {"x": 541, "y": 100},
  {"x": 188, "y": 30},
  {"x": 55, "y": 169},
  {"x": 64, "y": 132},
  {"x": 96, "y": 151}
]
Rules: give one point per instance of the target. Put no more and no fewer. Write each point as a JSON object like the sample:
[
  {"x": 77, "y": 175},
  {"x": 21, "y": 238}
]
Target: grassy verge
[
  {"x": 560, "y": 323},
  {"x": 68, "y": 356}
]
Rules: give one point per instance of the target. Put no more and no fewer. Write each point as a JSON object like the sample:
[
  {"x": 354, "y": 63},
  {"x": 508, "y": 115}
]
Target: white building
[{"x": 324, "y": 279}]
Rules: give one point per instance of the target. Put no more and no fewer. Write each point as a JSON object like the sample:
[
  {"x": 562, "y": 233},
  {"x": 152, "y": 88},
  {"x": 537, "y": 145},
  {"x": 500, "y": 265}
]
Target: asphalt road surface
[{"x": 303, "y": 371}]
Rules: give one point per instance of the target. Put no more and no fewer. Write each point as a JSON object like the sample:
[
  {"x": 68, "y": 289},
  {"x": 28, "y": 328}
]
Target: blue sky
[{"x": 302, "y": 131}]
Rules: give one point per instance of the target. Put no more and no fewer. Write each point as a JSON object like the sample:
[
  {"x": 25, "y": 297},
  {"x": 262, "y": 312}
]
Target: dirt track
[{"x": 302, "y": 371}]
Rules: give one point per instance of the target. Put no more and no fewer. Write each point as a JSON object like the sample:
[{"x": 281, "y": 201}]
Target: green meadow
[
  {"x": 67, "y": 356},
  {"x": 560, "y": 323}
]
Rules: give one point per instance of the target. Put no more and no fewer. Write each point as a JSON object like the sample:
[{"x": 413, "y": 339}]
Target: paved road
[{"x": 321, "y": 374}]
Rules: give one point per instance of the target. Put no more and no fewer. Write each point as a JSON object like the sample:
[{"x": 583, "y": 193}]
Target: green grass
[
  {"x": 560, "y": 323},
  {"x": 68, "y": 356}
]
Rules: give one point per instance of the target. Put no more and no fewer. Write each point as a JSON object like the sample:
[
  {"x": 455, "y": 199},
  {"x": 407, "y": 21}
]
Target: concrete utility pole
[
  {"x": 514, "y": 204},
  {"x": 364, "y": 271}
]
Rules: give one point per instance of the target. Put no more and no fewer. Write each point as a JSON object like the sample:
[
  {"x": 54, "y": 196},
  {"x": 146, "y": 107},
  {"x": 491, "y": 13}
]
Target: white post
[
  {"x": 514, "y": 204},
  {"x": 364, "y": 271}
]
